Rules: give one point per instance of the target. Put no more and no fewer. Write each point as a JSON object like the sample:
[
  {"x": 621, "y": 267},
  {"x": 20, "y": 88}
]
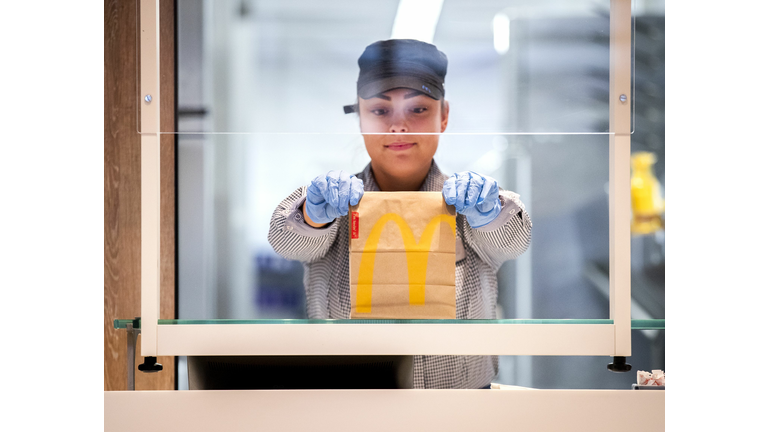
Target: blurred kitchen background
[{"x": 527, "y": 84}]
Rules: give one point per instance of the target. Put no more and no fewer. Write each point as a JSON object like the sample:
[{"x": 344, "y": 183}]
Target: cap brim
[{"x": 386, "y": 84}]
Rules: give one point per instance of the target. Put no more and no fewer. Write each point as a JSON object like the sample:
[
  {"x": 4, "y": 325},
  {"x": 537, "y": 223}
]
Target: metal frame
[
  {"x": 386, "y": 339},
  {"x": 458, "y": 339},
  {"x": 150, "y": 174},
  {"x": 618, "y": 178}
]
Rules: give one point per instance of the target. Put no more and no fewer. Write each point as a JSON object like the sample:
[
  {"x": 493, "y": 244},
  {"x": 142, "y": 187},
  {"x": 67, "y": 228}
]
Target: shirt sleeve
[
  {"x": 504, "y": 238},
  {"x": 292, "y": 238}
]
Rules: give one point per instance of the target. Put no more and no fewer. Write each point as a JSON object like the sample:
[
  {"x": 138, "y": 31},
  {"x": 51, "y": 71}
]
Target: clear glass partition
[
  {"x": 270, "y": 66},
  {"x": 230, "y": 185},
  {"x": 260, "y": 96},
  {"x": 265, "y": 81},
  {"x": 261, "y": 86}
]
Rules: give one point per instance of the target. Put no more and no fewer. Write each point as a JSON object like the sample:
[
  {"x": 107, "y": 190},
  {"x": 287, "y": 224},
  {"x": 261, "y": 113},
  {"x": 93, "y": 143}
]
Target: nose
[{"x": 399, "y": 124}]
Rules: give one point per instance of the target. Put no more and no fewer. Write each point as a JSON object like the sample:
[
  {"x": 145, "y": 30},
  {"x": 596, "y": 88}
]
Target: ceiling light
[
  {"x": 417, "y": 19},
  {"x": 501, "y": 33}
]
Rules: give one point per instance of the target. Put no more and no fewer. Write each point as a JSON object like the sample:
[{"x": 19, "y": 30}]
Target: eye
[
  {"x": 420, "y": 110},
  {"x": 379, "y": 112}
]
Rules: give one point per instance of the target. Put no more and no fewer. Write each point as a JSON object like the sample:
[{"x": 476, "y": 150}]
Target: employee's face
[{"x": 390, "y": 116}]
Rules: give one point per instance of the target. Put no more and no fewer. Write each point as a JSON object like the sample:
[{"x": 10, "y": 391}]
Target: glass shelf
[{"x": 652, "y": 324}]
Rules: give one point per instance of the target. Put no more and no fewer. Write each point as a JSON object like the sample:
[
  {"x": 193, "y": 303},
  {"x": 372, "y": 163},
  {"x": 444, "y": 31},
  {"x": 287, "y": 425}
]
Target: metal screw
[
  {"x": 622, "y": 98},
  {"x": 148, "y": 98}
]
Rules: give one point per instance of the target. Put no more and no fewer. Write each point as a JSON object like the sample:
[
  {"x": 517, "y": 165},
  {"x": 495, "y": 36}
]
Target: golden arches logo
[{"x": 416, "y": 255}]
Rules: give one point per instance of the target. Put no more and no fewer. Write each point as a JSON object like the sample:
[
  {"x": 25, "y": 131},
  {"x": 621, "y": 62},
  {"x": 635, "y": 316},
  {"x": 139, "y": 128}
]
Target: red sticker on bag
[{"x": 354, "y": 231}]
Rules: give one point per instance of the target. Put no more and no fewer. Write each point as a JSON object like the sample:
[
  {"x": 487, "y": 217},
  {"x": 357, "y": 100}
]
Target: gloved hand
[
  {"x": 329, "y": 196},
  {"x": 475, "y": 196}
]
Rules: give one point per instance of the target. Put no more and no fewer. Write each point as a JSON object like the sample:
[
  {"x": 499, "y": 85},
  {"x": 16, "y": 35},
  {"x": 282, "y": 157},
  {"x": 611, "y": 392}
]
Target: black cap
[{"x": 401, "y": 63}]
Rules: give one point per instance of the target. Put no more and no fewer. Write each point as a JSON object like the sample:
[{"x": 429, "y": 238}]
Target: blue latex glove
[
  {"x": 329, "y": 196},
  {"x": 475, "y": 196}
]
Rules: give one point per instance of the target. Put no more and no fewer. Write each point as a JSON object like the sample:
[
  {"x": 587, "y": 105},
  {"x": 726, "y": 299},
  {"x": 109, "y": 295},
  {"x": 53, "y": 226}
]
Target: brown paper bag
[{"x": 402, "y": 256}]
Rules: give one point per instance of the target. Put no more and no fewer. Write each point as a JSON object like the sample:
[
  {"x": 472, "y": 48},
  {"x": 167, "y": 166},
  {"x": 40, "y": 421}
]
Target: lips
[{"x": 399, "y": 146}]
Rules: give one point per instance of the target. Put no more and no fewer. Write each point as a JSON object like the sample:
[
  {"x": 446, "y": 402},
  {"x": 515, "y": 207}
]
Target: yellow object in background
[{"x": 647, "y": 204}]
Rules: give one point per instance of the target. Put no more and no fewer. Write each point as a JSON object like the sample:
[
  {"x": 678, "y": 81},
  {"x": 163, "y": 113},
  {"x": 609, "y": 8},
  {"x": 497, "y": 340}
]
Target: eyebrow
[{"x": 408, "y": 96}]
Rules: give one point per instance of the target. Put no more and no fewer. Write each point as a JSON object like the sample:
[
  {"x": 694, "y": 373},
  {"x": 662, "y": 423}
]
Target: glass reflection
[
  {"x": 282, "y": 71},
  {"x": 290, "y": 66},
  {"x": 230, "y": 185}
]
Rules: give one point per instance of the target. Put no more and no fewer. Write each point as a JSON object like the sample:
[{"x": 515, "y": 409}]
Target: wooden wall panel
[{"x": 122, "y": 188}]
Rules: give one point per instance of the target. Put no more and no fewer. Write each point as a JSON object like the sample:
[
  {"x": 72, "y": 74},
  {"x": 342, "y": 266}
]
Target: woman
[{"x": 400, "y": 92}]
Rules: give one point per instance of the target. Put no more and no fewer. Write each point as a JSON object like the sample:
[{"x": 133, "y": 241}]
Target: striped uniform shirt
[{"x": 479, "y": 254}]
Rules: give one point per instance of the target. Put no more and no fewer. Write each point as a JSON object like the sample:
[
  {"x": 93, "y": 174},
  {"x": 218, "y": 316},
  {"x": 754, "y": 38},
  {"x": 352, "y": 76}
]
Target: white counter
[{"x": 384, "y": 410}]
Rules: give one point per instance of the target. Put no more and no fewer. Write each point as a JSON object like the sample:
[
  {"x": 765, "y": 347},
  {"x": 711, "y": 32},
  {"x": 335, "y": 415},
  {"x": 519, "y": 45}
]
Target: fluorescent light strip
[
  {"x": 417, "y": 19},
  {"x": 501, "y": 33}
]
